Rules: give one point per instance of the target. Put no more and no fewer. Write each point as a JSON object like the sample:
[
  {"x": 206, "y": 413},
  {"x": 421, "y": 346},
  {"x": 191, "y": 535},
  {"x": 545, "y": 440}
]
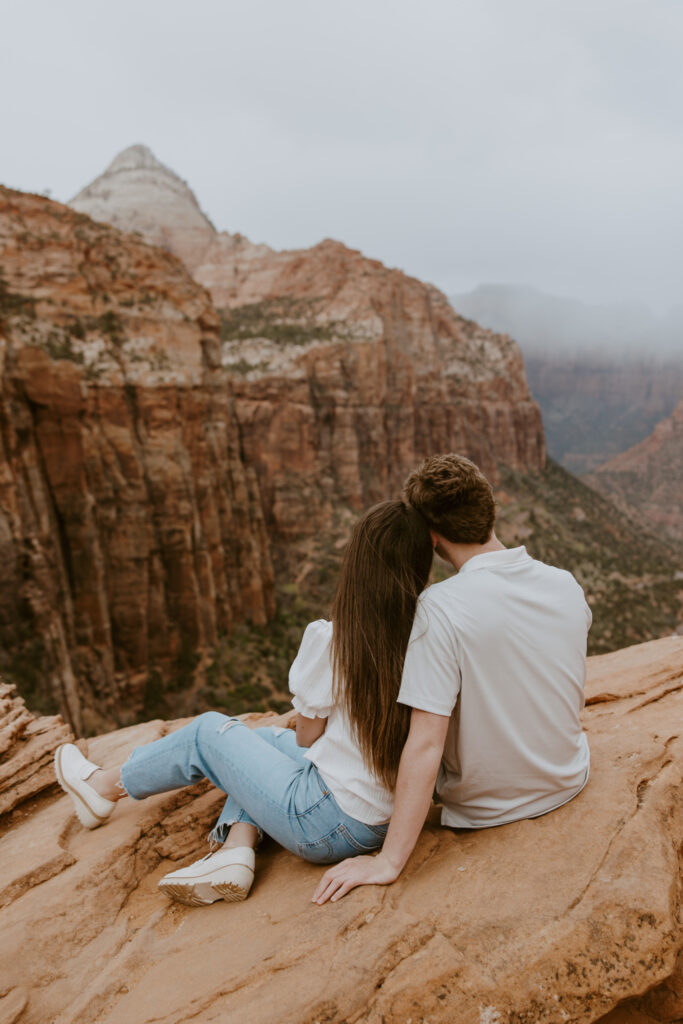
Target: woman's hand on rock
[{"x": 346, "y": 875}]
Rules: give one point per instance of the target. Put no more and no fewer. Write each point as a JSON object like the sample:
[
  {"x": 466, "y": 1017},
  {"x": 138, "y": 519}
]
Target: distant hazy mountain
[
  {"x": 649, "y": 476},
  {"x": 545, "y": 324},
  {"x": 604, "y": 376}
]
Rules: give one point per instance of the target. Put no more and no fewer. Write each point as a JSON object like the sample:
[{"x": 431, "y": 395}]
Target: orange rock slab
[{"x": 562, "y": 918}]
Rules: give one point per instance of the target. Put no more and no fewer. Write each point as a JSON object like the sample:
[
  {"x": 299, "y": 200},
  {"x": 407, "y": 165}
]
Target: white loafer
[
  {"x": 224, "y": 875},
  {"x": 72, "y": 770}
]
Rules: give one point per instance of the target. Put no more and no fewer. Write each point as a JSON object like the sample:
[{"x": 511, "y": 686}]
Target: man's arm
[
  {"x": 308, "y": 730},
  {"x": 417, "y": 773}
]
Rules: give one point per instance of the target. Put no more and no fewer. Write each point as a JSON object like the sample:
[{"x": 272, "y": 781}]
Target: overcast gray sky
[{"x": 465, "y": 141}]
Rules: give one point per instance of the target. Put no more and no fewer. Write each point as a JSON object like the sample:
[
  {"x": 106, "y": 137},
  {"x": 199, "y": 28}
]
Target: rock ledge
[{"x": 568, "y": 917}]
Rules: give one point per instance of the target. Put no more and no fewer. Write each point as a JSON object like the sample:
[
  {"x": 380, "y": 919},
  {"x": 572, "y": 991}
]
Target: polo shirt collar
[{"x": 495, "y": 559}]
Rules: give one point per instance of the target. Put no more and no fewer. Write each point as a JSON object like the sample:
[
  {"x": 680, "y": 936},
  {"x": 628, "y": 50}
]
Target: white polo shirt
[{"x": 501, "y": 648}]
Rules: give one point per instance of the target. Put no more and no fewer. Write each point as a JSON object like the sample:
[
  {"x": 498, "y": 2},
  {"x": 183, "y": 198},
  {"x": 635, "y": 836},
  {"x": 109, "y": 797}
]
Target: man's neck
[{"x": 458, "y": 554}]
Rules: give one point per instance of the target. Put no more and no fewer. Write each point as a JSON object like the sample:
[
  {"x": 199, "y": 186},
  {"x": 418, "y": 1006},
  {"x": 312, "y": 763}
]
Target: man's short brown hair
[{"x": 454, "y": 497}]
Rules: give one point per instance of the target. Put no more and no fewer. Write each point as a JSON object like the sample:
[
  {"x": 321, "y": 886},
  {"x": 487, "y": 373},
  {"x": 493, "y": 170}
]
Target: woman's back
[{"x": 336, "y": 754}]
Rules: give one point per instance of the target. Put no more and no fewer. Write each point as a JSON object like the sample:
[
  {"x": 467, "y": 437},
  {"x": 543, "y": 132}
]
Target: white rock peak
[
  {"x": 136, "y": 157},
  {"x": 139, "y": 193}
]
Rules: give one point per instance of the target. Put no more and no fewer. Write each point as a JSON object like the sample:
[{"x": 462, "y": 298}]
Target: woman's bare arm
[
  {"x": 308, "y": 730},
  {"x": 417, "y": 773}
]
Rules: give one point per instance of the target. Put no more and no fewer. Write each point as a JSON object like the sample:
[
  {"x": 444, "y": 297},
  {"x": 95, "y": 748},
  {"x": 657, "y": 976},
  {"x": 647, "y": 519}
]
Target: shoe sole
[
  {"x": 187, "y": 894},
  {"x": 87, "y": 817},
  {"x": 231, "y": 892}
]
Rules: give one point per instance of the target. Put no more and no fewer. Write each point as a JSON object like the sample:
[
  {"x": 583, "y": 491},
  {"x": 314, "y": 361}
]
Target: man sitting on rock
[{"x": 494, "y": 673}]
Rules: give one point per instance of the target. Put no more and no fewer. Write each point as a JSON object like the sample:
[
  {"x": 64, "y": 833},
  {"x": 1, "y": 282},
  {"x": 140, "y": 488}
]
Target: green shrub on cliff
[
  {"x": 59, "y": 346},
  {"x": 285, "y": 320}
]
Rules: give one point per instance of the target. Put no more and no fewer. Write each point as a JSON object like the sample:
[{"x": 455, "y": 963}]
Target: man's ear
[{"x": 435, "y": 538}]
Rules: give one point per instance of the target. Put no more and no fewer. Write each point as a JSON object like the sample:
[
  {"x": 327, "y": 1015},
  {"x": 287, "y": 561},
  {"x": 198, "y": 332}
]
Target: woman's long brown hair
[{"x": 385, "y": 567}]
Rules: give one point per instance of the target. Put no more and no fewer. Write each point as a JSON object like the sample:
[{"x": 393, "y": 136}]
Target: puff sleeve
[{"x": 310, "y": 677}]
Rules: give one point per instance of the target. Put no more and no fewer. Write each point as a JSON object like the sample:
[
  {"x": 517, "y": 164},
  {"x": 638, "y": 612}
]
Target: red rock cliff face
[
  {"x": 346, "y": 373},
  {"x": 131, "y": 531},
  {"x": 148, "y": 440}
]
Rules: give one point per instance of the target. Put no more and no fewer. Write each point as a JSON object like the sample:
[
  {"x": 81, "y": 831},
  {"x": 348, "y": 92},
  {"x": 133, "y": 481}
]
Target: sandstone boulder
[
  {"x": 565, "y": 918},
  {"x": 27, "y": 746}
]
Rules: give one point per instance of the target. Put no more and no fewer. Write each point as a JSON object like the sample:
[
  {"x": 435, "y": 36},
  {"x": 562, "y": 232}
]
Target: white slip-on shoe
[
  {"x": 226, "y": 875},
  {"x": 72, "y": 770}
]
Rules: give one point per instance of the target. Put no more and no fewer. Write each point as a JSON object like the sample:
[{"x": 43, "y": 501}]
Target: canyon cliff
[
  {"x": 649, "y": 476},
  {"x": 131, "y": 530},
  {"x": 595, "y": 407},
  {"x": 346, "y": 373},
  {"x": 149, "y": 444},
  {"x": 564, "y": 918},
  {"x": 160, "y": 456}
]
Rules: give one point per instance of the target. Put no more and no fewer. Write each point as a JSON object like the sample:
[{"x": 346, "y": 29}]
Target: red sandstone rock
[
  {"x": 556, "y": 919},
  {"x": 27, "y": 747},
  {"x": 382, "y": 374}
]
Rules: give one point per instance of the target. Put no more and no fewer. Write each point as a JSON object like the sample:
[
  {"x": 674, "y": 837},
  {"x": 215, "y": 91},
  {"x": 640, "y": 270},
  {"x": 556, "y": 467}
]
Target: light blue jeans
[{"x": 271, "y": 785}]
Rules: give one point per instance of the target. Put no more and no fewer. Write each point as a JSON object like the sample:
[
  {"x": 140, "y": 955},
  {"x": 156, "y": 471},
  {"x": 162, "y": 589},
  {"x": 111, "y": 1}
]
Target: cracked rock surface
[{"x": 574, "y": 916}]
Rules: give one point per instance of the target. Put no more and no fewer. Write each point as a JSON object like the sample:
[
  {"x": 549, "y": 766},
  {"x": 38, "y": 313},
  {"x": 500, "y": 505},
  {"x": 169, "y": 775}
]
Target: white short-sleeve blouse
[{"x": 335, "y": 754}]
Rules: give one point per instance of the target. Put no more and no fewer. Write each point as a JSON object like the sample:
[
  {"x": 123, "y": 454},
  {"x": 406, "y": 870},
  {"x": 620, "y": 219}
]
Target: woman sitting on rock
[{"x": 326, "y": 791}]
